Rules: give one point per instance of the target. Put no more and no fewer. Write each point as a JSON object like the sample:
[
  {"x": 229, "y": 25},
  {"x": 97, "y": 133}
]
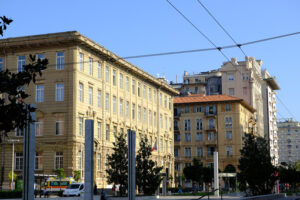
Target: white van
[{"x": 74, "y": 189}]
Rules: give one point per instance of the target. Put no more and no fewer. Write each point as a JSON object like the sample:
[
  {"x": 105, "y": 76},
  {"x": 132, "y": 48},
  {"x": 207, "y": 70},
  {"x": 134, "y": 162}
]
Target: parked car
[{"x": 74, "y": 189}]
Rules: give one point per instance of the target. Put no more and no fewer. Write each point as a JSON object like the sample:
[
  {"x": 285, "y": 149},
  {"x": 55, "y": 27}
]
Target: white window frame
[
  {"x": 91, "y": 66},
  {"x": 58, "y": 160},
  {"x": 59, "y": 94},
  {"x": 90, "y": 96},
  {"x": 99, "y": 70},
  {"x": 99, "y": 98},
  {"x": 39, "y": 94},
  {"x": 60, "y": 60},
  {"x": 107, "y": 101},
  {"x": 21, "y": 63},
  {"x": 39, "y": 127},
  {"x": 80, "y": 92},
  {"x": 81, "y": 62}
]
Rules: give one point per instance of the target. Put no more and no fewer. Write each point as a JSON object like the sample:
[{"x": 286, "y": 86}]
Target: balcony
[
  {"x": 211, "y": 142},
  {"x": 211, "y": 128},
  {"x": 210, "y": 114}
]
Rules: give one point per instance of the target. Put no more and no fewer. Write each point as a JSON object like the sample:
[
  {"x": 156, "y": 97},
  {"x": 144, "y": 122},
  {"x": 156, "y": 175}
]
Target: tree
[
  {"x": 10, "y": 176},
  {"x": 60, "y": 172},
  {"x": 256, "y": 169},
  {"x": 118, "y": 164},
  {"x": 13, "y": 109},
  {"x": 289, "y": 175},
  {"x": 194, "y": 172},
  {"x": 77, "y": 175},
  {"x": 149, "y": 174}
]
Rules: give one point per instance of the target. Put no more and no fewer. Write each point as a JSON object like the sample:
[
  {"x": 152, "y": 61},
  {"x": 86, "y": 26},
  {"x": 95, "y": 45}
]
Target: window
[
  {"x": 79, "y": 159},
  {"x": 121, "y": 107},
  {"x": 165, "y": 101},
  {"x": 1, "y": 64},
  {"x": 177, "y": 137},
  {"x": 19, "y": 132},
  {"x": 187, "y": 152},
  {"x": 187, "y": 137},
  {"x": 81, "y": 61},
  {"x": 41, "y": 56},
  {"x": 144, "y": 91},
  {"x": 114, "y": 104},
  {"x": 231, "y": 91},
  {"x": 229, "y": 150},
  {"x": 107, "y": 132},
  {"x": 38, "y": 161},
  {"x": 154, "y": 118},
  {"x": 99, "y": 69},
  {"x": 139, "y": 113},
  {"x": 149, "y": 94},
  {"x": 154, "y": 96},
  {"x": 139, "y": 89},
  {"x": 228, "y": 122},
  {"x": 186, "y": 109},
  {"x": 98, "y": 161},
  {"x": 115, "y": 134},
  {"x": 166, "y": 122},
  {"x": 90, "y": 96},
  {"x": 133, "y": 86},
  {"x": 59, "y": 158},
  {"x": 176, "y": 154},
  {"x": 90, "y": 66},
  {"x": 176, "y": 128},
  {"x": 121, "y": 80},
  {"x": 60, "y": 60},
  {"x": 127, "y": 109},
  {"x": 170, "y": 124},
  {"x": 160, "y": 99},
  {"x": 127, "y": 83},
  {"x": 39, "y": 97},
  {"x": 98, "y": 130},
  {"x": 161, "y": 121},
  {"x": 211, "y": 110},
  {"x": 170, "y": 104},
  {"x": 59, "y": 125},
  {"x": 145, "y": 115},
  {"x": 59, "y": 92},
  {"x": 21, "y": 63},
  {"x": 199, "y": 151},
  {"x": 114, "y": 77},
  {"x": 150, "y": 118},
  {"x": 39, "y": 127},
  {"x": 80, "y": 126},
  {"x": 177, "y": 166},
  {"x": 187, "y": 125},
  {"x": 199, "y": 136},
  {"x": 199, "y": 124},
  {"x": 245, "y": 91},
  {"x": 107, "y": 102},
  {"x": 18, "y": 160},
  {"x": 245, "y": 76},
  {"x": 227, "y": 107},
  {"x": 133, "y": 111},
  {"x": 228, "y": 135},
  {"x": 80, "y": 92},
  {"x": 209, "y": 136},
  {"x": 230, "y": 76},
  {"x": 107, "y": 74},
  {"x": 99, "y": 98}
]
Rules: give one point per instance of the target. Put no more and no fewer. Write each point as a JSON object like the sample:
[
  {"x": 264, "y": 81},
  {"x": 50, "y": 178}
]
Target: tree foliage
[
  {"x": 4, "y": 23},
  {"x": 198, "y": 173},
  {"x": 60, "y": 172},
  {"x": 256, "y": 170},
  {"x": 149, "y": 175},
  {"x": 77, "y": 175},
  {"x": 10, "y": 176},
  {"x": 118, "y": 164},
  {"x": 289, "y": 175}
]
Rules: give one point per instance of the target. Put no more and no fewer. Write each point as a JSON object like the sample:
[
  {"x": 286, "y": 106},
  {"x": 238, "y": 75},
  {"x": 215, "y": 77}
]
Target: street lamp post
[{"x": 12, "y": 162}]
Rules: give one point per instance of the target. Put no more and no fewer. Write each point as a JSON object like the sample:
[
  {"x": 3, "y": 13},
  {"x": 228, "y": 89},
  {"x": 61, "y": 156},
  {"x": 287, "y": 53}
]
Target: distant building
[
  {"x": 270, "y": 120},
  {"x": 204, "y": 124},
  {"x": 289, "y": 141}
]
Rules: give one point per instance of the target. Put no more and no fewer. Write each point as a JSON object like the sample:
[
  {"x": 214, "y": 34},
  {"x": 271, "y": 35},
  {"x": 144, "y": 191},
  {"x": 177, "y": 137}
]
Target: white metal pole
[
  {"x": 216, "y": 174},
  {"x": 12, "y": 166}
]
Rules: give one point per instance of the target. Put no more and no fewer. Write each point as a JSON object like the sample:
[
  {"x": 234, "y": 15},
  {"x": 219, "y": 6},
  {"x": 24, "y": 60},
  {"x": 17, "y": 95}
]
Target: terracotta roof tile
[{"x": 202, "y": 99}]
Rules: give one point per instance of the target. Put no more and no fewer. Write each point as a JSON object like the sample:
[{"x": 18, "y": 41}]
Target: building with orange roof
[{"x": 204, "y": 124}]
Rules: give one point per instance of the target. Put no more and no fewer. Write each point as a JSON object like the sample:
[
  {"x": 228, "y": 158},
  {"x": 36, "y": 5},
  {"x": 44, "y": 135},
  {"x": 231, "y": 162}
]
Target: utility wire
[
  {"x": 286, "y": 107},
  {"x": 210, "y": 49},
  {"x": 222, "y": 27},
  {"x": 211, "y": 42}
]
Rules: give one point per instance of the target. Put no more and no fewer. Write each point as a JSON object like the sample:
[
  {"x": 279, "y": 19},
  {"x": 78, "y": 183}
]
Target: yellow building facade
[
  {"x": 205, "y": 124},
  {"x": 86, "y": 81}
]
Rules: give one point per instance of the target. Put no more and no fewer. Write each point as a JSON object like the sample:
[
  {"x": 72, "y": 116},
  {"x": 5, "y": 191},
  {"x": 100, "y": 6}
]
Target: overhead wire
[
  {"x": 222, "y": 27},
  {"x": 288, "y": 110}
]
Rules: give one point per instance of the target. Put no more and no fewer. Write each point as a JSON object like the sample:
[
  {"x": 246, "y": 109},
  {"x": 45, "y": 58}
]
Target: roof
[
  {"x": 75, "y": 38},
  {"x": 210, "y": 99}
]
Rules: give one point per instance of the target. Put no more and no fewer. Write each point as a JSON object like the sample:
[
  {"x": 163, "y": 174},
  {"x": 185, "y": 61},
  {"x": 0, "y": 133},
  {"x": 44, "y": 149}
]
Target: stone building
[
  {"x": 204, "y": 124},
  {"x": 289, "y": 141},
  {"x": 86, "y": 81}
]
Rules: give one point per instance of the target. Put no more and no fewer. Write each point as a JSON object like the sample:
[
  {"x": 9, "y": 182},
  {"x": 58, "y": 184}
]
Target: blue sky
[{"x": 135, "y": 27}]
